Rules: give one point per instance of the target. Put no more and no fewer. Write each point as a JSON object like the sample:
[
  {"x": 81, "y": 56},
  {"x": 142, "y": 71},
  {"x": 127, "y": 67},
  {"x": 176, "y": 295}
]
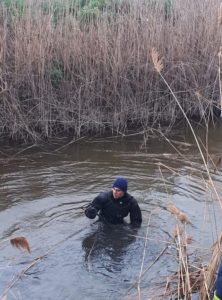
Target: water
[{"x": 43, "y": 192}]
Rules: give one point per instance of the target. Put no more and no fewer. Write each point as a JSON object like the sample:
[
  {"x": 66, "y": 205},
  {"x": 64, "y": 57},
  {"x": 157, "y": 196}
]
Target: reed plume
[
  {"x": 181, "y": 216},
  {"x": 157, "y": 60},
  {"x": 173, "y": 209}
]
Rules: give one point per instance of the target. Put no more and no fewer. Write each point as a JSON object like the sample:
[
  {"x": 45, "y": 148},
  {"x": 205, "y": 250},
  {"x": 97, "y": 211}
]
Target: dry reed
[
  {"x": 62, "y": 75},
  {"x": 210, "y": 273}
]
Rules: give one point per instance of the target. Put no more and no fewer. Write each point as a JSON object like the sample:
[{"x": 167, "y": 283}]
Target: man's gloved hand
[{"x": 91, "y": 212}]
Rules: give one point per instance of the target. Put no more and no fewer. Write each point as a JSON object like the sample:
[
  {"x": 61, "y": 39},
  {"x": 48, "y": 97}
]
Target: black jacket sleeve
[
  {"x": 219, "y": 283},
  {"x": 93, "y": 208},
  {"x": 135, "y": 213}
]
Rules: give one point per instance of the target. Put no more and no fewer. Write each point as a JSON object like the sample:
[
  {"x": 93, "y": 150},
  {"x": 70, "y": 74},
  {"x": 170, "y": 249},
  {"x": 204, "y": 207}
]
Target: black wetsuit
[
  {"x": 219, "y": 283},
  {"x": 115, "y": 210}
]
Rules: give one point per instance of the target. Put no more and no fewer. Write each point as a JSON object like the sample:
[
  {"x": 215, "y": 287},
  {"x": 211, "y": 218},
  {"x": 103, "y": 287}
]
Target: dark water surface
[{"x": 42, "y": 193}]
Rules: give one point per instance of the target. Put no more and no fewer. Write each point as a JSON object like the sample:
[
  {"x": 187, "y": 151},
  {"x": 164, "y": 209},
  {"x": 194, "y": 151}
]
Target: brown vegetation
[
  {"x": 20, "y": 242},
  {"x": 75, "y": 77},
  {"x": 193, "y": 275}
]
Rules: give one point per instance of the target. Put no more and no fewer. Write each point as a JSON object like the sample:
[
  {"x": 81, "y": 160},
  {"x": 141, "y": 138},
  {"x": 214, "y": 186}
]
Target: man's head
[{"x": 119, "y": 187}]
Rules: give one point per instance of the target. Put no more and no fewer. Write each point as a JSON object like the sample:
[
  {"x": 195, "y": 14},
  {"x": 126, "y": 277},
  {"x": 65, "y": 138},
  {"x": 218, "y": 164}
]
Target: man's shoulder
[
  {"x": 131, "y": 199},
  {"x": 105, "y": 195}
]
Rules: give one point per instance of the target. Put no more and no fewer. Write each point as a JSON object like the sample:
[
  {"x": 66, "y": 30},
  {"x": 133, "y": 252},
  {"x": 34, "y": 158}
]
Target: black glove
[{"x": 91, "y": 212}]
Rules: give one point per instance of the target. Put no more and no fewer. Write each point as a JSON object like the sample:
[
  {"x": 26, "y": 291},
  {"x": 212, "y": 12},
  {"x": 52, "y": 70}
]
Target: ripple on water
[{"x": 43, "y": 201}]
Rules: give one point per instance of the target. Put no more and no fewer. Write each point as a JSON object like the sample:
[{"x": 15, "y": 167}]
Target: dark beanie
[{"x": 121, "y": 183}]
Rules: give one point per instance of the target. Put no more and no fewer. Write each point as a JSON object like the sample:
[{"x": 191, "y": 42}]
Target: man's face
[{"x": 117, "y": 193}]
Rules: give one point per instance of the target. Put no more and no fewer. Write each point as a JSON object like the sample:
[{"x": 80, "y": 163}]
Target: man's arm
[
  {"x": 135, "y": 214},
  {"x": 93, "y": 208}
]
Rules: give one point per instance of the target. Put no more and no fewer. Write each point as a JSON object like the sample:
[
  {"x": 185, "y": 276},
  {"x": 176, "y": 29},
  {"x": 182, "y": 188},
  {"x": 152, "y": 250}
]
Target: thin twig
[
  {"x": 70, "y": 143},
  {"x": 147, "y": 269},
  {"x": 90, "y": 252},
  {"x": 144, "y": 253}
]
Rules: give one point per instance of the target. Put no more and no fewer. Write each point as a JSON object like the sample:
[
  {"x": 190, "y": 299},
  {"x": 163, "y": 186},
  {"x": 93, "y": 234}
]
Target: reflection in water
[{"x": 107, "y": 246}]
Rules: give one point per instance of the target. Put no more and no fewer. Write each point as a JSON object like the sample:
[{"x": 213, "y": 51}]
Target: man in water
[
  {"x": 113, "y": 206},
  {"x": 218, "y": 292}
]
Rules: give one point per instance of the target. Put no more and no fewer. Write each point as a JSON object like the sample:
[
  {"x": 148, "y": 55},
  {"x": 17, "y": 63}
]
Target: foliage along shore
[{"x": 83, "y": 67}]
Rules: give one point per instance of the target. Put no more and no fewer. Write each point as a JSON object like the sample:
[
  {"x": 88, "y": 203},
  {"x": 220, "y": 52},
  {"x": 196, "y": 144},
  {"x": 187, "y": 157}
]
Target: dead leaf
[{"x": 20, "y": 242}]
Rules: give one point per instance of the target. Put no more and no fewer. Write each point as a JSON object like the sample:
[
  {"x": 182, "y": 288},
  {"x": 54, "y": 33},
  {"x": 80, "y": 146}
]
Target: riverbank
[{"x": 76, "y": 68}]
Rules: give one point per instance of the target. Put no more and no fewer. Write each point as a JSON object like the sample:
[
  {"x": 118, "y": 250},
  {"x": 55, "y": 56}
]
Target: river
[{"x": 43, "y": 192}]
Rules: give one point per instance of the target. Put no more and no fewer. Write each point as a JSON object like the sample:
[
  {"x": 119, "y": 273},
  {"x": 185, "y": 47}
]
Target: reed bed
[{"x": 69, "y": 69}]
